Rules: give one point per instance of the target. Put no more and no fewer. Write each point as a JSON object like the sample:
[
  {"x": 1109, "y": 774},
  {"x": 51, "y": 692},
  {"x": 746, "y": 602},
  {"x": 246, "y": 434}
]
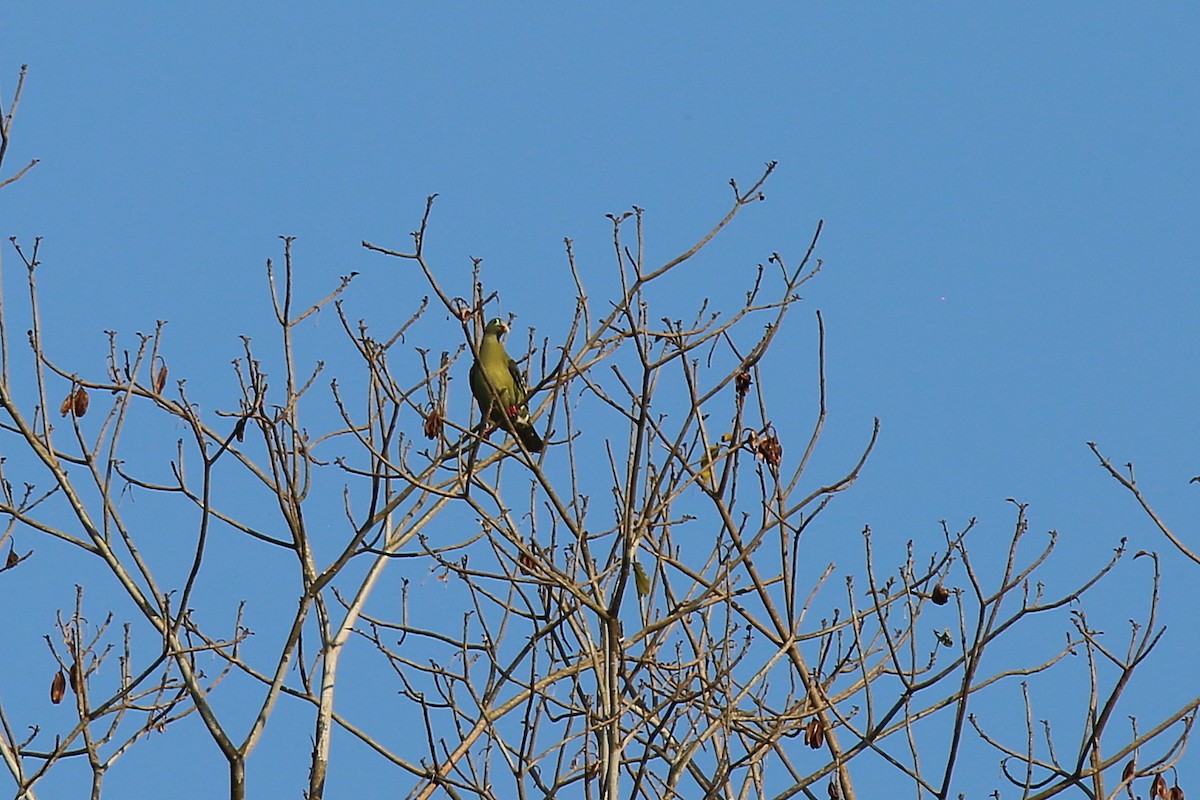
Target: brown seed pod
[
  {"x": 742, "y": 382},
  {"x": 433, "y": 424},
  {"x": 1158, "y": 789},
  {"x": 58, "y": 687},
  {"x": 12, "y": 560},
  {"x": 814, "y": 733},
  {"x": 75, "y": 676},
  {"x": 67, "y": 404},
  {"x": 940, "y": 595},
  {"x": 79, "y": 402},
  {"x": 767, "y": 447},
  {"x": 160, "y": 380}
]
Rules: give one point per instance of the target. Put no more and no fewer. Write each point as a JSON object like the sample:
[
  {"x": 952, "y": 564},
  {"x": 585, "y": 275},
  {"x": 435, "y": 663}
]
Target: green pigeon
[{"x": 498, "y": 388}]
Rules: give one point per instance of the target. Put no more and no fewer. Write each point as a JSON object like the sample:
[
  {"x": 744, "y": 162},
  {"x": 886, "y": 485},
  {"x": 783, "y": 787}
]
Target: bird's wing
[{"x": 518, "y": 385}]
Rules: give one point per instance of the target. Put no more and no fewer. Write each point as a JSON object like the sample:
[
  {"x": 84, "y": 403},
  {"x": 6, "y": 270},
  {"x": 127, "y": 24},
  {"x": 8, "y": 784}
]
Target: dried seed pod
[
  {"x": 940, "y": 595},
  {"x": 75, "y": 676},
  {"x": 1130, "y": 771},
  {"x": 814, "y": 733},
  {"x": 1158, "y": 789},
  {"x": 767, "y": 447},
  {"x": 67, "y": 404},
  {"x": 741, "y": 383},
  {"x": 1176, "y": 793},
  {"x": 239, "y": 430},
  {"x": 433, "y": 424},
  {"x": 79, "y": 402},
  {"x": 527, "y": 564},
  {"x": 58, "y": 687},
  {"x": 834, "y": 792},
  {"x": 160, "y": 380},
  {"x": 12, "y": 560}
]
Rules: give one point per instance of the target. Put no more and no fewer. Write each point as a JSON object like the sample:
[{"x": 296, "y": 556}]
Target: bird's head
[{"x": 496, "y": 327}]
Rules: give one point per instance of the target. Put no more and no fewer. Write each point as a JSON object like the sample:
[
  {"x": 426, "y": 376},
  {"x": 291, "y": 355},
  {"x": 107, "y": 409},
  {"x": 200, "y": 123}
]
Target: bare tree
[{"x": 643, "y": 609}]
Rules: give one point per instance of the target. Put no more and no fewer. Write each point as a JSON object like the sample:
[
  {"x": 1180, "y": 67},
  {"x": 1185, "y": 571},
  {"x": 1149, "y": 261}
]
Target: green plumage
[{"x": 498, "y": 388}]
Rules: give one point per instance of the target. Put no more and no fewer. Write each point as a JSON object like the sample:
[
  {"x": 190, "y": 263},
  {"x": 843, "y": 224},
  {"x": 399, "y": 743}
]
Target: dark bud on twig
[
  {"x": 79, "y": 402},
  {"x": 58, "y": 687}
]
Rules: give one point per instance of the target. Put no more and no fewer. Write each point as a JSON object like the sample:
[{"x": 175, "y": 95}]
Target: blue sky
[{"x": 1010, "y": 196}]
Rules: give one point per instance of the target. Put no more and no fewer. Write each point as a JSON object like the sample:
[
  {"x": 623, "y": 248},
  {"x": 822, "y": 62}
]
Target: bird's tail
[{"x": 529, "y": 437}]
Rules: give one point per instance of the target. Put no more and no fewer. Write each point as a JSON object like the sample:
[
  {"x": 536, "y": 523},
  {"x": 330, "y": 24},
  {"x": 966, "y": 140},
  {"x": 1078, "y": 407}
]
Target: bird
[{"x": 498, "y": 388}]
